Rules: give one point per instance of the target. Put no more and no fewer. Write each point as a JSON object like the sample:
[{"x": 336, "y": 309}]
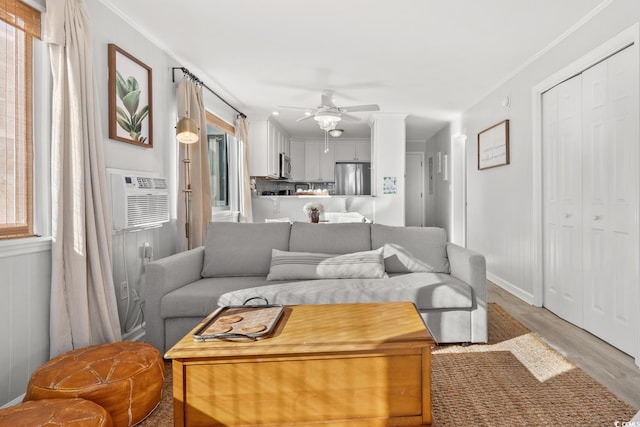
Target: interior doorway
[{"x": 414, "y": 197}]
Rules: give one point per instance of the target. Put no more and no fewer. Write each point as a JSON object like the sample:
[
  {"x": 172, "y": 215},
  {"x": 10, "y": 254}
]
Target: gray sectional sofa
[{"x": 363, "y": 263}]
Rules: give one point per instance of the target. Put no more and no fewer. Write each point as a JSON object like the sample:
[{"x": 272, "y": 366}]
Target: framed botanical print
[{"x": 130, "y": 100}]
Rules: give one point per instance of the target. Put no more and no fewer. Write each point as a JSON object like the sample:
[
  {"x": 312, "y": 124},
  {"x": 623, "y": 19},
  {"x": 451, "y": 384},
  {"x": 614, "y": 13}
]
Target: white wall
[{"x": 500, "y": 200}]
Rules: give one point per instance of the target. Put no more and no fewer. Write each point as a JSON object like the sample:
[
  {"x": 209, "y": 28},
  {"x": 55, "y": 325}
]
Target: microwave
[{"x": 285, "y": 166}]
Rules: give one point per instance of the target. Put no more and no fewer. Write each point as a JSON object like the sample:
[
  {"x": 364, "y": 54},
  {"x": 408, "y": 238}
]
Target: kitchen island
[{"x": 272, "y": 207}]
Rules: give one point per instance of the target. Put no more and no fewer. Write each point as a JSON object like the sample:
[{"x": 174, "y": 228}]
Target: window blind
[{"x": 19, "y": 25}]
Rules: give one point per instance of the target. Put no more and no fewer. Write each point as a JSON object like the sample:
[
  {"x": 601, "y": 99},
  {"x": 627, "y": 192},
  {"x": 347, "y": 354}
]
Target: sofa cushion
[
  {"x": 198, "y": 299},
  {"x": 310, "y": 265},
  {"x": 240, "y": 249},
  {"x": 330, "y": 238},
  {"x": 412, "y": 249},
  {"x": 428, "y": 291}
]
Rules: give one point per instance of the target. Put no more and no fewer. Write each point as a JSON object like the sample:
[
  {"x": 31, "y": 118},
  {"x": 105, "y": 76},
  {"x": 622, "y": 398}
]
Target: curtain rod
[{"x": 195, "y": 78}]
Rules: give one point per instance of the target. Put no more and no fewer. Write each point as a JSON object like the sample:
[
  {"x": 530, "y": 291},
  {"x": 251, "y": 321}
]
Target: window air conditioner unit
[{"x": 138, "y": 201}]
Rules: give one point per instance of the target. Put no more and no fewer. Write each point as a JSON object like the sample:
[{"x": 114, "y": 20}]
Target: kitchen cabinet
[
  {"x": 350, "y": 151},
  {"x": 296, "y": 153},
  {"x": 266, "y": 141},
  {"x": 319, "y": 166}
]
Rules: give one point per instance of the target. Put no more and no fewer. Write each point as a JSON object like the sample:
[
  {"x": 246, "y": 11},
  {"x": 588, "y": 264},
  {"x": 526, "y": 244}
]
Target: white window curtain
[
  {"x": 190, "y": 98},
  {"x": 83, "y": 302},
  {"x": 242, "y": 134}
]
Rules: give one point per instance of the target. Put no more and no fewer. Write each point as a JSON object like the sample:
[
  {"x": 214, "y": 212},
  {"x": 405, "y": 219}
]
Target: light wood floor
[{"x": 606, "y": 364}]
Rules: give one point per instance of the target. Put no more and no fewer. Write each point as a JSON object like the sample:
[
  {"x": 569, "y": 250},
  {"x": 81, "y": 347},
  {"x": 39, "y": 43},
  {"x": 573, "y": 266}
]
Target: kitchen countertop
[{"x": 319, "y": 196}]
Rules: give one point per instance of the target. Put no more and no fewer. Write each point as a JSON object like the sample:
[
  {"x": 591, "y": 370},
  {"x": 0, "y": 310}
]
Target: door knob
[
  {"x": 597, "y": 217},
  {"x": 567, "y": 215}
]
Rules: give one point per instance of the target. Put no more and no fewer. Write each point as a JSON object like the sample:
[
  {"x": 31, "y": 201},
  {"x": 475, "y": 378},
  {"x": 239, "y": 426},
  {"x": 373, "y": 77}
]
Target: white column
[{"x": 388, "y": 139}]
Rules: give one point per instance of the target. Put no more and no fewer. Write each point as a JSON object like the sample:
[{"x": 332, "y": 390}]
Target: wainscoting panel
[
  {"x": 129, "y": 261},
  {"x": 25, "y": 289}
]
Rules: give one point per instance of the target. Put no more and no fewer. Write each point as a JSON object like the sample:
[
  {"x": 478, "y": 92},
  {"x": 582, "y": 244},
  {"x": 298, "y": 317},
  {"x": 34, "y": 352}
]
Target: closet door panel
[
  {"x": 551, "y": 208},
  {"x": 623, "y": 205},
  {"x": 570, "y": 198},
  {"x": 562, "y": 195},
  {"x": 611, "y": 199},
  {"x": 597, "y": 190}
]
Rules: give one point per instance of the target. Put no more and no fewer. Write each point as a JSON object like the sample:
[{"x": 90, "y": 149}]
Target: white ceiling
[{"x": 430, "y": 59}]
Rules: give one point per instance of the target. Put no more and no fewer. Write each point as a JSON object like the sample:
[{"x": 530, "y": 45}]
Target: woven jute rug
[{"x": 514, "y": 380}]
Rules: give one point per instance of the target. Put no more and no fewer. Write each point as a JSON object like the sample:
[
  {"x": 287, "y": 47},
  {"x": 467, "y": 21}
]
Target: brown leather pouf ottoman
[
  {"x": 125, "y": 378},
  {"x": 55, "y": 412}
]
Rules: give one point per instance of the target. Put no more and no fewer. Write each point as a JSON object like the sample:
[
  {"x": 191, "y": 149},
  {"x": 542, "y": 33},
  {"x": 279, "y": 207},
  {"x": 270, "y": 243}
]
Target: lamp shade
[
  {"x": 336, "y": 132},
  {"x": 187, "y": 131}
]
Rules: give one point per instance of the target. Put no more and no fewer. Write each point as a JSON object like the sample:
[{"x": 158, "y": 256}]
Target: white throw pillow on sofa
[{"x": 309, "y": 265}]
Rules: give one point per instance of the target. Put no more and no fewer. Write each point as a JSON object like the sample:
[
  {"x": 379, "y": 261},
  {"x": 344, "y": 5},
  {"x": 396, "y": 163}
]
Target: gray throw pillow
[
  {"x": 242, "y": 249},
  {"x": 311, "y": 265},
  {"x": 412, "y": 249}
]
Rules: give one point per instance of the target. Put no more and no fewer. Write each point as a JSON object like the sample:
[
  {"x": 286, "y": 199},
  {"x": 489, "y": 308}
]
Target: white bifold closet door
[
  {"x": 562, "y": 190},
  {"x": 590, "y": 200}
]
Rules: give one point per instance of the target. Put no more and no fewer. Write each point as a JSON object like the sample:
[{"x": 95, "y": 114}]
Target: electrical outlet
[
  {"x": 124, "y": 290},
  {"x": 147, "y": 250}
]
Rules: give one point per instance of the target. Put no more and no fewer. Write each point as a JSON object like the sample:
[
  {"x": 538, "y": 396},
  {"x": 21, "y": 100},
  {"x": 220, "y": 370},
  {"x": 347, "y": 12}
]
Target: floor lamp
[{"x": 187, "y": 134}]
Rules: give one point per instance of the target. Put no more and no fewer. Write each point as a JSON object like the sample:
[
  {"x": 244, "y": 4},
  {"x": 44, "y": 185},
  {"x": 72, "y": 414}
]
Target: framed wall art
[
  {"x": 493, "y": 146},
  {"x": 130, "y": 101},
  {"x": 430, "y": 163}
]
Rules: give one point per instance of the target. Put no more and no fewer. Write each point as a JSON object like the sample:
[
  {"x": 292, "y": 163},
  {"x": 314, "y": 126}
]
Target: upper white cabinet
[
  {"x": 349, "y": 151},
  {"x": 266, "y": 141},
  {"x": 296, "y": 152},
  {"x": 319, "y": 166}
]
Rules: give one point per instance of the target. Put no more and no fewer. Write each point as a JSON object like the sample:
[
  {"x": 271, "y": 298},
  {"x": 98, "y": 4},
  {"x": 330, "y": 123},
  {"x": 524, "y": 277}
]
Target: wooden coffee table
[{"x": 331, "y": 364}]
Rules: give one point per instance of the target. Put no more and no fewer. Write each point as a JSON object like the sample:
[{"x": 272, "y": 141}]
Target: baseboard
[
  {"x": 511, "y": 288},
  {"x": 15, "y": 401},
  {"x": 136, "y": 334}
]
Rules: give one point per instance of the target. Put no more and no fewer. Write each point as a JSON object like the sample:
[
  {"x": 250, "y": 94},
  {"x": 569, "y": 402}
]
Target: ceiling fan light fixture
[
  {"x": 327, "y": 116},
  {"x": 327, "y": 120},
  {"x": 336, "y": 132}
]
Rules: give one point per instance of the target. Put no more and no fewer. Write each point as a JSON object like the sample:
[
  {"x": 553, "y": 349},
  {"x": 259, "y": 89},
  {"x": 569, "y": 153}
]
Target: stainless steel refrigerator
[{"x": 353, "y": 178}]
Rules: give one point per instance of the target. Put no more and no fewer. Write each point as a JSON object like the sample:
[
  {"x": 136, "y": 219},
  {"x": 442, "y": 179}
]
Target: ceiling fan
[{"x": 329, "y": 114}]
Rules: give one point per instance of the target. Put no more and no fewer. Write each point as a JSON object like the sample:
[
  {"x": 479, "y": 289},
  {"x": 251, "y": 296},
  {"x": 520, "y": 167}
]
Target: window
[
  {"x": 19, "y": 25},
  {"x": 219, "y": 167},
  {"x": 220, "y": 139}
]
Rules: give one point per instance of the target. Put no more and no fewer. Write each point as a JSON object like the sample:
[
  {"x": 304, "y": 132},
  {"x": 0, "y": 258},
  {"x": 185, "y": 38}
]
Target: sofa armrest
[
  {"x": 470, "y": 267},
  {"x": 161, "y": 277}
]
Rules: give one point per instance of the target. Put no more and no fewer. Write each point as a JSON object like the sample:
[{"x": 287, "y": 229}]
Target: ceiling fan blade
[
  {"x": 327, "y": 99},
  {"x": 350, "y": 117},
  {"x": 359, "y": 108},
  {"x": 304, "y": 118},
  {"x": 294, "y": 108}
]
